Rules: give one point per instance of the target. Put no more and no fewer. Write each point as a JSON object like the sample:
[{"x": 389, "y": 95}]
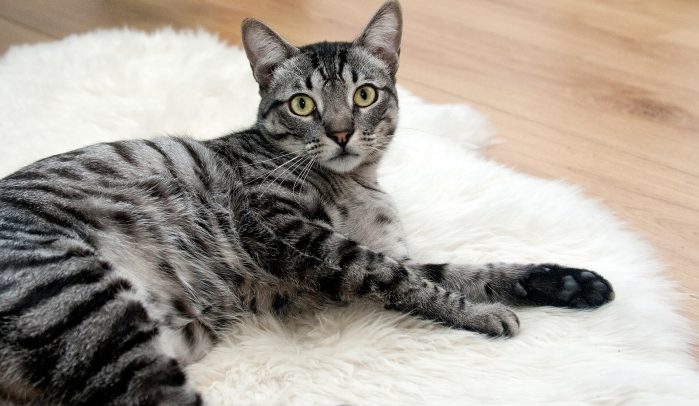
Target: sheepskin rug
[{"x": 457, "y": 206}]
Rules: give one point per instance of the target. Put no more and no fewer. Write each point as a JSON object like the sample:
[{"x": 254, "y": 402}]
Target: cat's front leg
[
  {"x": 374, "y": 222},
  {"x": 518, "y": 284},
  {"x": 316, "y": 258}
]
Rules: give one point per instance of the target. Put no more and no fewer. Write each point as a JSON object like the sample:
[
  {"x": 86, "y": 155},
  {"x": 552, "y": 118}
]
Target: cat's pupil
[
  {"x": 302, "y": 103},
  {"x": 363, "y": 94}
]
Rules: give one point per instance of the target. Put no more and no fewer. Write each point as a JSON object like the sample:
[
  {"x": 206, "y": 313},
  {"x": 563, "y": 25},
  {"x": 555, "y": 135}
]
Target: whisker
[
  {"x": 273, "y": 170},
  {"x": 306, "y": 174},
  {"x": 306, "y": 169},
  {"x": 270, "y": 159},
  {"x": 296, "y": 166},
  {"x": 381, "y": 151},
  {"x": 300, "y": 158},
  {"x": 396, "y": 145}
]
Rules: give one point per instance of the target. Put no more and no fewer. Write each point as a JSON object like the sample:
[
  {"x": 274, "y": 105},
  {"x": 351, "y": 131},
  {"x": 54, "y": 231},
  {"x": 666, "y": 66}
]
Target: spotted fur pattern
[{"x": 121, "y": 262}]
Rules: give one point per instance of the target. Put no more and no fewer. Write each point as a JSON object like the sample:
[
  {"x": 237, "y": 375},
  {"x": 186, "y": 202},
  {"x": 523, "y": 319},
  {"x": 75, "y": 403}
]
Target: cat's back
[
  {"x": 159, "y": 193},
  {"x": 122, "y": 161},
  {"x": 89, "y": 240},
  {"x": 63, "y": 190}
]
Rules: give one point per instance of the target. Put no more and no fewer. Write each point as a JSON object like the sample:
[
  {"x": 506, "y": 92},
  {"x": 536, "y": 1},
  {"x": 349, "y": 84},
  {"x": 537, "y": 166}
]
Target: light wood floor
[{"x": 601, "y": 93}]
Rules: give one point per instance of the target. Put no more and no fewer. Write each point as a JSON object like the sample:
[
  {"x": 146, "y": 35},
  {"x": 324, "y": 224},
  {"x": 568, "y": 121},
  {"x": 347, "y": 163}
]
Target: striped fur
[{"x": 121, "y": 262}]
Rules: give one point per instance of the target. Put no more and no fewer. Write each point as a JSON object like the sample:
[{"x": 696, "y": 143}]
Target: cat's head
[{"x": 334, "y": 102}]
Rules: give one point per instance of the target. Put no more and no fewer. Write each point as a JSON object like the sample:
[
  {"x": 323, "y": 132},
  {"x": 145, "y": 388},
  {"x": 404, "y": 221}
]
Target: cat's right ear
[{"x": 265, "y": 49}]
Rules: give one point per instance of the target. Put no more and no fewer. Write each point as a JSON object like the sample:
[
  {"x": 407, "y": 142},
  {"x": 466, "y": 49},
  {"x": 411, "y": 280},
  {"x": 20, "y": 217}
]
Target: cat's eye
[
  {"x": 302, "y": 105},
  {"x": 365, "y": 96}
]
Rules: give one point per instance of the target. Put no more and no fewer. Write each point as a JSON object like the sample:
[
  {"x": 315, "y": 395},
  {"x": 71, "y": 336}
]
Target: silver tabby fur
[{"x": 121, "y": 262}]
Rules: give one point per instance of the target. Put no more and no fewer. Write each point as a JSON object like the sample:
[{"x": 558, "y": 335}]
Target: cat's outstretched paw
[
  {"x": 555, "y": 285},
  {"x": 495, "y": 320}
]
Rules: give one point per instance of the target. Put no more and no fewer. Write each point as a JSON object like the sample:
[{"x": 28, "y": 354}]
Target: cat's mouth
[
  {"x": 343, "y": 161},
  {"x": 343, "y": 155}
]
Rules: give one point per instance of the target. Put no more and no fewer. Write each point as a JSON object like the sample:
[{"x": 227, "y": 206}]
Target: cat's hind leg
[{"x": 74, "y": 333}]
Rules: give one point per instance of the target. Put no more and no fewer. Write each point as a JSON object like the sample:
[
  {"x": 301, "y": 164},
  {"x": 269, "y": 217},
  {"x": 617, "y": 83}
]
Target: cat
[{"x": 122, "y": 262}]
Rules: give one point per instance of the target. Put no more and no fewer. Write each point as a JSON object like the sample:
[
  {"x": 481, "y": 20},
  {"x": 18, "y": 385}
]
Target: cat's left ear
[
  {"x": 265, "y": 49},
  {"x": 382, "y": 36}
]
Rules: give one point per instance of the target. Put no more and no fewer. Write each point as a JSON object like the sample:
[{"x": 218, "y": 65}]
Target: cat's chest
[{"x": 366, "y": 215}]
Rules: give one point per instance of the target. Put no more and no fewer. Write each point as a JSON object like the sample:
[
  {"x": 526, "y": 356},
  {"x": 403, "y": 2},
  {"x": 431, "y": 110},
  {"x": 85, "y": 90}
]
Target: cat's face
[{"x": 334, "y": 103}]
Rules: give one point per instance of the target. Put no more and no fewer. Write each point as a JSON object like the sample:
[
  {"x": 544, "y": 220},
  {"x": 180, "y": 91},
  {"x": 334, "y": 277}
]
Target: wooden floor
[{"x": 601, "y": 93}]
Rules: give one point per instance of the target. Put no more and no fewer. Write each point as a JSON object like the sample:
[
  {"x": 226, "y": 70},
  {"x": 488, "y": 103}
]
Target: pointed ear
[
  {"x": 382, "y": 36},
  {"x": 265, "y": 50}
]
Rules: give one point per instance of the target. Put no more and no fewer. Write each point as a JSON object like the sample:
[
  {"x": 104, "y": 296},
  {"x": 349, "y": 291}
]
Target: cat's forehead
[
  {"x": 323, "y": 64},
  {"x": 326, "y": 55}
]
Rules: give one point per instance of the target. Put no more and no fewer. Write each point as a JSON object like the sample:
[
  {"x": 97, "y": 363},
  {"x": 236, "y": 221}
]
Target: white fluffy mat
[{"x": 457, "y": 206}]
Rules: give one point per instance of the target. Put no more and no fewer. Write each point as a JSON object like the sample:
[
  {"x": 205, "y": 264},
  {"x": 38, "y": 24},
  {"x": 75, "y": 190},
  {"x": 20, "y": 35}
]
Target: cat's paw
[
  {"x": 495, "y": 320},
  {"x": 555, "y": 285},
  {"x": 179, "y": 395}
]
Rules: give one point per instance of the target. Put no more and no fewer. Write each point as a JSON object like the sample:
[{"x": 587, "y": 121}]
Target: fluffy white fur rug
[{"x": 457, "y": 206}]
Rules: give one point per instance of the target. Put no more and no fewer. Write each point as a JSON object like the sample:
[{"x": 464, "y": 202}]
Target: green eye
[
  {"x": 364, "y": 96},
  {"x": 302, "y": 105}
]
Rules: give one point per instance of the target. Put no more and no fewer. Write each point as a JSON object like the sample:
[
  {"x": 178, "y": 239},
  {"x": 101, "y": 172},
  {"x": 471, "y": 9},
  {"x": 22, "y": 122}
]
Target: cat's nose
[{"x": 341, "y": 137}]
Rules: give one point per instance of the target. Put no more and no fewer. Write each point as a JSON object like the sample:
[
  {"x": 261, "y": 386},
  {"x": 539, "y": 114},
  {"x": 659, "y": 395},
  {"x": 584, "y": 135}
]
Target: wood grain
[
  {"x": 12, "y": 33},
  {"x": 604, "y": 94}
]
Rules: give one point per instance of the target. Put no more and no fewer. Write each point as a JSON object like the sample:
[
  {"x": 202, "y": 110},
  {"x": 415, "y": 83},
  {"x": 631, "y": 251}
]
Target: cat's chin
[{"x": 343, "y": 163}]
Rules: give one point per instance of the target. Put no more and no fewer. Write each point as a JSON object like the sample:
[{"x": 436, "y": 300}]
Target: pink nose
[{"x": 340, "y": 137}]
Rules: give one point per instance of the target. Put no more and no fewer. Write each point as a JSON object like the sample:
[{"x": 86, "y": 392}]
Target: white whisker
[
  {"x": 272, "y": 171},
  {"x": 298, "y": 158},
  {"x": 306, "y": 169},
  {"x": 270, "y": 159}
]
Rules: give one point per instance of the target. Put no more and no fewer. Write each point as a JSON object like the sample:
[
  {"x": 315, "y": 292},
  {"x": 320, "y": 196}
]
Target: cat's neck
[{"x": 366, "y": 171}]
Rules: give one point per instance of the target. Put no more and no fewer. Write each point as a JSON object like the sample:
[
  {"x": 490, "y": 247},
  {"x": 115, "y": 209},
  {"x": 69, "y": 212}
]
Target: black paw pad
[{"x": 554, "y": 285}]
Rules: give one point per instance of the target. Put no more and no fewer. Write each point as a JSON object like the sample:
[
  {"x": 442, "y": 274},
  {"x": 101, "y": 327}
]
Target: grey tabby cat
[{"x": 121, "y": 262}]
